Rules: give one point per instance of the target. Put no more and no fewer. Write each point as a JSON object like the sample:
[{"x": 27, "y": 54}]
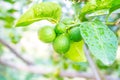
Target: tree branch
[
  {"x": 15, "y": 52},
  {"x": 43, "y": 71},
  {"x": 116, "y": 23},
  {"x": 94, "y": 68}
]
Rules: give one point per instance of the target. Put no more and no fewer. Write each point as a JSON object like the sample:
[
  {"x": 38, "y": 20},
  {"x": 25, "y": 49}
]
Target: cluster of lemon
[{"x": 61, "y": 36}]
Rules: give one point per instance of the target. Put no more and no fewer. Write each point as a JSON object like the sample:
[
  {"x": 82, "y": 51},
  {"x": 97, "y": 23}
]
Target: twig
[
  {"x": 15, "y": 52},
  {"x": 116, "y": 23},
  {"x": 43, "y": 71},
  {"x": 92, "y": 65},
  {"x": 77, "y": 74},
  {"x": 110, "y": 23},
  {"x": 72, "y": 25}
]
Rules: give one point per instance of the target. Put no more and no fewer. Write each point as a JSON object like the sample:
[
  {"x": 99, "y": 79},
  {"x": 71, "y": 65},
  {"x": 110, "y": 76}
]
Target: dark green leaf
[
  {"x": 43, "y": 11},
  {"x": 101, "y": 41},
  {"x": 10, "y": 1},
  {"x": 115, "y": 5},
  {"x": 12, "y": 10}
]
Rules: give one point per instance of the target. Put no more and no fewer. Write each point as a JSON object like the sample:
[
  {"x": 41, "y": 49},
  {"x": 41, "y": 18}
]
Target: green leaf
[
  {"x": 76, "y": 52},
  {"x": 101, "y": 41},
  {"x": 115, "y": 5},
  {"x": 93, "y": 6},
  {"x": 43, "y": 11}
]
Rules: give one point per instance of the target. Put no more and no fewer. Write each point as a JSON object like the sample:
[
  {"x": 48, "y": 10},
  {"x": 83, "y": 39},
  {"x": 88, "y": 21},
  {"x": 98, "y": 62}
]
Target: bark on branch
[
  {"x": 40, "y": 70},
  {"x": 16, "y": 53},
  {"x": 94, "y": 68}
]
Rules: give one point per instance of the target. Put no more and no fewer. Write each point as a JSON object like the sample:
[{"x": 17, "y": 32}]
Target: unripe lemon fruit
[
  {"x": 61, "y": 44},
  {"x": 46, "y": 34},
  {"x": 74, "y": 34},
  {"x": 60, "y": 28}
]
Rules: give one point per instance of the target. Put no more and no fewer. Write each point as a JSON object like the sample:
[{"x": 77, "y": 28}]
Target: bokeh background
[{"x": 25, "y": 41}]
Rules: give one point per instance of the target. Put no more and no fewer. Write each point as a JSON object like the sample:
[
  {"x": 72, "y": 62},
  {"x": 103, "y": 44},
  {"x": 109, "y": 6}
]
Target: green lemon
[
  {"x": 74, "y": 34},
  {"x": 61, "y": 44},
  {"x": 46, "y": 34},
  {"x": 60, "y": 28}
]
